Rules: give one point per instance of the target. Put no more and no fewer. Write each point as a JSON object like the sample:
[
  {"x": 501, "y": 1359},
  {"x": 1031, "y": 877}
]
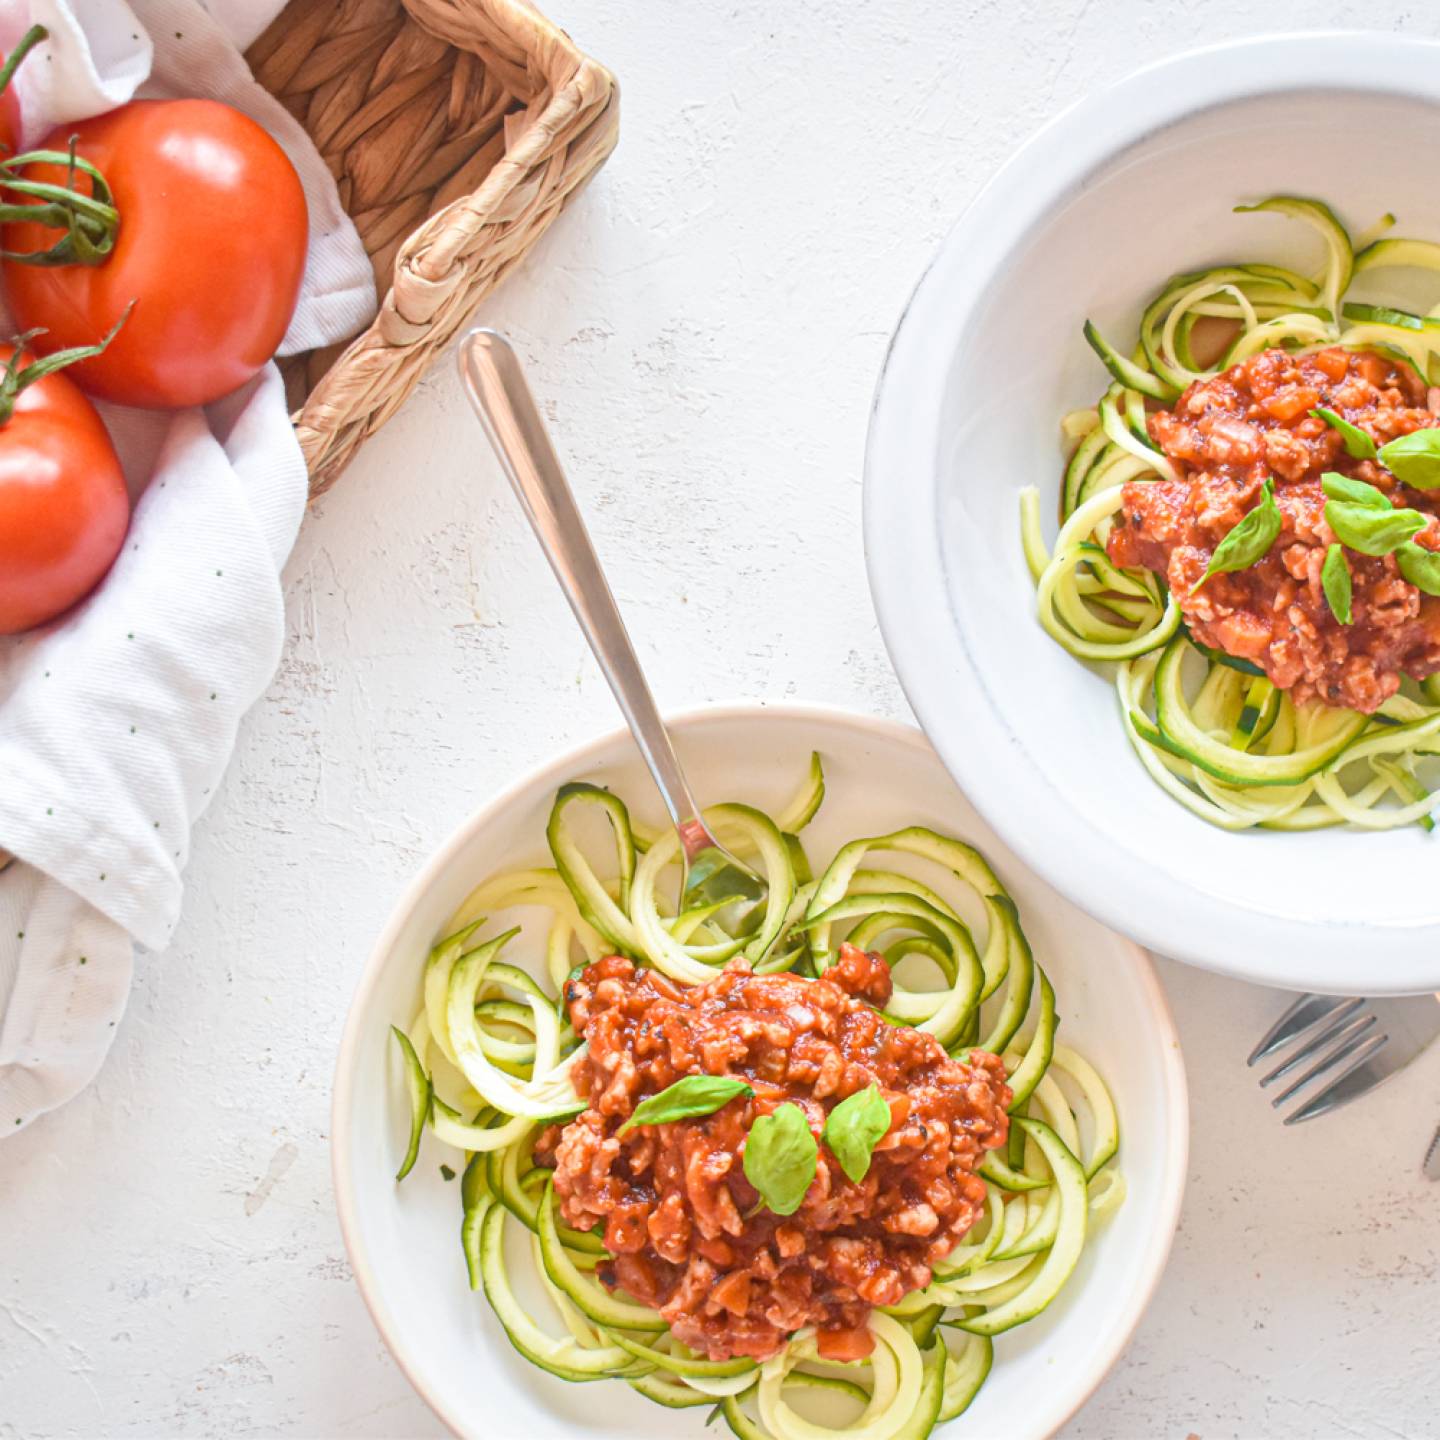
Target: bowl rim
[
  {"x": 905, "y": 560},
  {"x": 1174, "y": 1162}
]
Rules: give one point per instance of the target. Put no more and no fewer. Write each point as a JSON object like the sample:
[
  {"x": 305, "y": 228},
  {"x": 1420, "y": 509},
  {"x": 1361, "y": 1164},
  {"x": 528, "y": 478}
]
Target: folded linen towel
[{"x": 116, "y": 723}]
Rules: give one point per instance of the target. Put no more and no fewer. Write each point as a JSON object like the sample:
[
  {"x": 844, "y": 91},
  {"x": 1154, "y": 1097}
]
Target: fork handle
[{"x": 496, "y": 386}]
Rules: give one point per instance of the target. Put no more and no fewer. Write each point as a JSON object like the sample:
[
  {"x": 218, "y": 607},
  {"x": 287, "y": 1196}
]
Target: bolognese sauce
[
  {"x": 687, "y": 1231},
  {"x": 1225, "y": 436}
]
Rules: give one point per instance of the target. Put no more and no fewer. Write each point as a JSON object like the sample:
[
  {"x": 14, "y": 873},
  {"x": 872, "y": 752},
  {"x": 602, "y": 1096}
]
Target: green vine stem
[
  {"x": 90, "y": 221},
  {"x": 28, "y": 41},
  {"x": 14, "y": 377}
]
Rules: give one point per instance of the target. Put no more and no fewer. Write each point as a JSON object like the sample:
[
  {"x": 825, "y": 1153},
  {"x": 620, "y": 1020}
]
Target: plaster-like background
[{"x": 706, "y": 326}]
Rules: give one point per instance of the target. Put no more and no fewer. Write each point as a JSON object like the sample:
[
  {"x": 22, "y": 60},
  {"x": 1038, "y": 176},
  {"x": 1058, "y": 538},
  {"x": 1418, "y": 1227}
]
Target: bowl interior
[
  {"x": 403, "y": 1240},
  {"x": 1089, "y": 221}
]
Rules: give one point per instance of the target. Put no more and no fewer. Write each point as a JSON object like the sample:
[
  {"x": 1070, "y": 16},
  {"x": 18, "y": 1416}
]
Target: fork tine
[
  {"x": 1328, "y": 1062},
  {"x": 1343, "y": 1030},
  {"x": 1308, "y": 1010},
  {"x": 1349, "y": 1083}
]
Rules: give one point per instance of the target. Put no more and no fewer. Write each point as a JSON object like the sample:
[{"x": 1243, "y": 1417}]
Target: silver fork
[{"x": 1344, "y": 1044}]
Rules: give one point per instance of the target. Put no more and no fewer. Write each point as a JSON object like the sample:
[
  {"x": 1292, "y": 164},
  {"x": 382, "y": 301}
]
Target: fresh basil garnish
[
  {"x": 1355, "y": 492},
  {"x": 1370, "y": 530},
  {"x": 855, "y": 1127},
  {"x": 1414, "y": 458},
  {"x": 692, "y": 1095},
  {"x": 1335, "y": 579},
  {"x": 780, "y": 1158},
  {"x": 1358, "y": 445},
  {"x": 1249, "y": 540},
  {"x": 1421, "y": 567}
]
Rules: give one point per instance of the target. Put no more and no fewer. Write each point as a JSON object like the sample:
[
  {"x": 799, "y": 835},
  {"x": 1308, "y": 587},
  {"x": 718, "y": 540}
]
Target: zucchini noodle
[
  {"x": 486, "y": 1064},
  {"x": 1212, "y": 730}
]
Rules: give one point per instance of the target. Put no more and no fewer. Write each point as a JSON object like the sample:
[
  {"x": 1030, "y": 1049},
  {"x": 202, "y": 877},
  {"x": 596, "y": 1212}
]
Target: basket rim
[
  {"x": 514, "y": 166},
  {"x": 521, "y": 21},
  {"x": 577, "y": 80}
]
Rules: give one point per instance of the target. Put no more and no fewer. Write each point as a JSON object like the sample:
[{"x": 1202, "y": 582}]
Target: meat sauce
[
  {"x": 687, "y": 1230},
  {"x": 1225, "y": 436}
]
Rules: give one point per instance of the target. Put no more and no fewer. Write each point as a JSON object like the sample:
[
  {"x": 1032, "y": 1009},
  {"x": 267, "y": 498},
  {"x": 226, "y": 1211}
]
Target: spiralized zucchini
[
  {"x": 1213, "y": 731},
  {"x": 486, "y": 1062}
]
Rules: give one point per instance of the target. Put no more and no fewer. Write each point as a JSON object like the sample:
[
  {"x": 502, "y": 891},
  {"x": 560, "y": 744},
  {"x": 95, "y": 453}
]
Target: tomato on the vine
[
  {"x": 209, "y": 245},
  {"x": 64, "y": 508}
]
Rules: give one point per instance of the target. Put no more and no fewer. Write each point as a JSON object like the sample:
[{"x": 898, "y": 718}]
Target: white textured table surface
[{"x": 705, "y": 325}]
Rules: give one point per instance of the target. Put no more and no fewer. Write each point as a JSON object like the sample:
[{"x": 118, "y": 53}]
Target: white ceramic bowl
[
  {"x": 1089, "y": 219},
  {"x": 403, "y": 1240}
]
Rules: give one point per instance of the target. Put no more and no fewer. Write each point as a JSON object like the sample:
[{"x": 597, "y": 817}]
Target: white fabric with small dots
[{"x": 117, "y": 722}]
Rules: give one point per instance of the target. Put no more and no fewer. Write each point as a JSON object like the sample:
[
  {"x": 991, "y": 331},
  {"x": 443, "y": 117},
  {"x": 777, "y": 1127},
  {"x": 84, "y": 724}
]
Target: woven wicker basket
[{"x": 457, "y": 130}]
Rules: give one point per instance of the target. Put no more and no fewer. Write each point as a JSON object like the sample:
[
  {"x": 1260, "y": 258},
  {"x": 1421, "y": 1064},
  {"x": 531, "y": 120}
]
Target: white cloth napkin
[{"x": 116, "y": 724}]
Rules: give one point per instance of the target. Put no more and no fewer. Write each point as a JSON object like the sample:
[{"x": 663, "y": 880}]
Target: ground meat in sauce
[
  {"x": 1225, "y": 436},
  {"x": 677, "y": 1211}
]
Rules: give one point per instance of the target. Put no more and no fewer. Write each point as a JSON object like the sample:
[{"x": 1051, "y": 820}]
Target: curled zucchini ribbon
[
  {"x": 1211, "y": 730},
  {"x": 1241, "y": 754},
  {"x": 493, "y": 1039},
  {"x": 1088, "y": 605}
]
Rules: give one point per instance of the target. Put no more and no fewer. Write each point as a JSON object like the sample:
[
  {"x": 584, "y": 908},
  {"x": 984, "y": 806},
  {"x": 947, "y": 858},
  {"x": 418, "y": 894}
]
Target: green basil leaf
[
  {"x": 855, "y": 1127},
  {"x": 1335, "y": 579},
  {"x": 1358, "y": 445},
  {"x": 1414, "y": 458},
  {"x": 1421, "y": 567},
  {"x": 1355, "y": 492},
  {"x": 780, "y": 1158},
  {"x": 1370, "y": 531},
  {"x": 691, "y": 1095},
  {"x": 1249, "y": 540}
]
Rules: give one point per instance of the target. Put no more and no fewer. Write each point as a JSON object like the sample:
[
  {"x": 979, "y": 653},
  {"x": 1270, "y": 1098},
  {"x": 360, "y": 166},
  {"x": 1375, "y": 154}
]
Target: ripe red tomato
[
  {"x": 210, "y": 247},
  {"x": 64, "y": 509}
]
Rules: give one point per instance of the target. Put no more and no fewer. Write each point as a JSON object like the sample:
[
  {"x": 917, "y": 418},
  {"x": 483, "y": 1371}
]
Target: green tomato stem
[
  {"x": 15, "y": 377},
  {"x": 27, "y": 42},
  {"x": 91, "y": 222}
]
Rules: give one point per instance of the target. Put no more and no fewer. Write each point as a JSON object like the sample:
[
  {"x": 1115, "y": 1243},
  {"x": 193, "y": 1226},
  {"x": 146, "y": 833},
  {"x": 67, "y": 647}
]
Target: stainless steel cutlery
[{"x": 1330, "y": 1049}]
